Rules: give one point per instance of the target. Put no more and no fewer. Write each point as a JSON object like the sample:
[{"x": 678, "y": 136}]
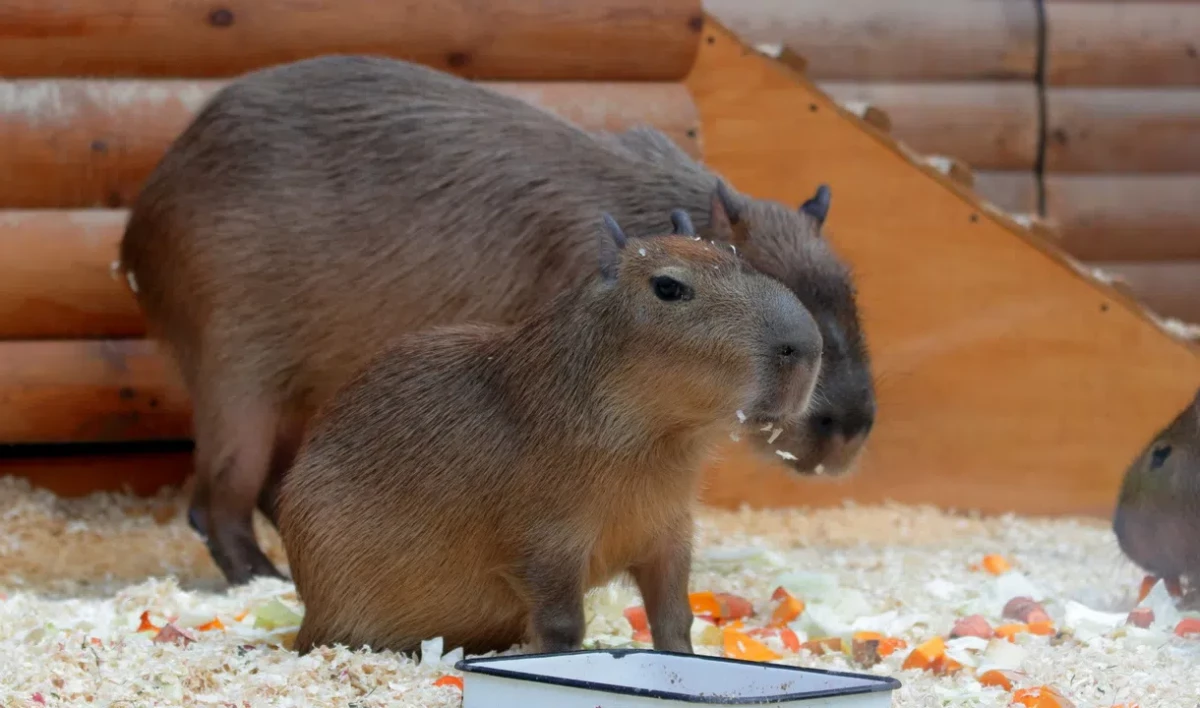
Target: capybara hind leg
[
  {"x": 287, "y": 444},
  {"x": 234, "y": 453},
  {"x": 662, "y": 579}
]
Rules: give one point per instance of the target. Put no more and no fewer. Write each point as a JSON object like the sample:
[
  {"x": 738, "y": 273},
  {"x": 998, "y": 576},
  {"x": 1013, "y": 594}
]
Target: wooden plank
[
  {"x": 1126, "y": 217},
  {"x": 1015, "y": 192},
  {"x": 87, "y": 143},
  {"x": 1123, "y": 44},
  {"x": 137, "y": 471},
  {"x": 1123, "y": 130},
  {"x": 55, "y": 267},
  {"x": 89, "y": 391},
  {"x": 1170, "y": 288},
  {"x": 993, "y": 353},
  {"x": 932, "y": 40},
  {"x": 500, "y": 39},
  {"x": 990, "y": 126}
]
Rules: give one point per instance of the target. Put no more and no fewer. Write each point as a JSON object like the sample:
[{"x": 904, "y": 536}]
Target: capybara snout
[{"x": 790, "y": 361}]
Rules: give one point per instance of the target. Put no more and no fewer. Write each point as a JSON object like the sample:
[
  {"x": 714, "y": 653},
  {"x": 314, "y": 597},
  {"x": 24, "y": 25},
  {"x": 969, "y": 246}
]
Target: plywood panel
[
  {"x": 1170, "y": 288},
  {"x": 931, "y": 40},
  {"x": 990, "y": 126},
  {"x": 991, "y": 352},
  {"x": 499, "y": 39}
]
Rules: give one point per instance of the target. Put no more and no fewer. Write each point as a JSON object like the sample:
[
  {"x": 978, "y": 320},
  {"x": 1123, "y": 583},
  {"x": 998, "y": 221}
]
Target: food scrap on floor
[{"x": 113, "y": 598}]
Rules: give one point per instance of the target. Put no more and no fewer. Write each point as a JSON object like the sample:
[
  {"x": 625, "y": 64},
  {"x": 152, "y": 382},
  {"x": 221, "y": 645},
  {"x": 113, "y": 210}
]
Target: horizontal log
[
  {"x": 89, "y": 391},
  {"x": 1169, "y": 288},
  {"x": 1123, "y": 44},
  {"x": 1123, "y": 130},
  {"x": 1126, "y": 217},
  {"x": 142, "y": 469},
  {"x": 86, "y": 143},
  {"x": 499, "y": 39},
  {"x": 1014, "y": 192},
  {"x": 990, "y": 126},
  {"x": 932, "y": 40},
  {"x": 55, "y": 267}
]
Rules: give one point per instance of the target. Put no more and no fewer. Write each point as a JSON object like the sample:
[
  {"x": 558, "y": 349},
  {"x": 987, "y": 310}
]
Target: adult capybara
[
  {"x": 314, "y": 210},
  {"x": 1157, "y": 519},
  {"x": 474, "y": 481}
]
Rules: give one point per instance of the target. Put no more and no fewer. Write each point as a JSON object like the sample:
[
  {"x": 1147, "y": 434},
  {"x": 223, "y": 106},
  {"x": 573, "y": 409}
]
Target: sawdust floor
[{"x": 76, "y": 577}]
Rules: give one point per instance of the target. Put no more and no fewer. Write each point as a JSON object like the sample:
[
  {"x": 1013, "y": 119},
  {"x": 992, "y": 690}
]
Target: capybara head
[
  {"x": 788, "y": 245},
  {"x": 696, "y": 313},
  {"x": 1157, "y": 519}
]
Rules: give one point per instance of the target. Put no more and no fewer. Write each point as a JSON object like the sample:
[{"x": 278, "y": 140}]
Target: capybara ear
[
  {"x": 612, "y": 242},
  {"x": 681, "y": 223},
  {"x": 818, "y": 206},
  {"x": 725, "y": 215}
]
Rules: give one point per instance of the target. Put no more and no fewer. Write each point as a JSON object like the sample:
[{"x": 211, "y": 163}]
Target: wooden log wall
[
  {"x": 92, "y": 92},
  {"x": 1085, "y": 113}
]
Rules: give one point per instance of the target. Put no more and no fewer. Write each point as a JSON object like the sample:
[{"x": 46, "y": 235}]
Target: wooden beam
[
  {"x": 1013, "y": 191},
  {"x": 1122, "y": 43},
  {"x": 84, "y": 143},
  {"x": 993, "y": 349},
  {"x": 603, "y": 40},
  {"x": 1123, "y": 130}
]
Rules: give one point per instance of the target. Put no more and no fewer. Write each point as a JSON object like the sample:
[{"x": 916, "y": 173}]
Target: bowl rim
[{"x": 487, "y": 667}]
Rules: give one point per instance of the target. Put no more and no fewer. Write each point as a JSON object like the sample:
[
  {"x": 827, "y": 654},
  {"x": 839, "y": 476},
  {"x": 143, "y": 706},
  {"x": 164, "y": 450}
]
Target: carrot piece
[
  {"x": 146, "y": 625},
  {"x": 705, "y": 603},
  {"x": 997, "y": 678},
  {"x": 1009, "y": 631},
  {"x": 823, "y": 645},
  {"x": 924, "y": 656},
  {"x": 1040, "y": 697},
  {"x": 786, "y": 635},
  {"x": 1044, "y": 628},
  {"x": 867, "y": 636},
  {"x": 739, "y": 645},
  {"x": 1188, "y": 627},
  {"x": 780, "y": 594},
  {"x": 241, "y": 615},
  {"x": 636, "y": 616},
  {"x": 996, "y": 564},
  {"x": 1140, "y": 617},
  {"x": 944, "y": 666},
  {"x": 890, "y": 645},
  {"x": 96, "y": 641},
  {"x": 450, "y": 681},
  {"x": 972, "y": 626},
  {"x": 734, "y": 607},
  {"x": 787, "y": 610},
  {"x": 209, "y": 626},
  {"x": 720, "y": 606}
]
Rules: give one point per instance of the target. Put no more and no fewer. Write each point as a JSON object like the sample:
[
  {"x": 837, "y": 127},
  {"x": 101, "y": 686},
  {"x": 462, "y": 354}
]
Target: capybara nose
[
  {"x": 794, "y": 338},
  {"x": 847, "y": 423}
]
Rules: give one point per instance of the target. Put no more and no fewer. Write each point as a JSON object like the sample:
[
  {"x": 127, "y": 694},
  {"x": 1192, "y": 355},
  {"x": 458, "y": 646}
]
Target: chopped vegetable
[
  {"x": 786, "y": 635},
  {"x": 886, "y": 645},
  {"x": 1040, "y": 697},
  {"x": 1000, "y": 678},
  {"x": 274, "y": 615},
  {"x": 865, "y": 652},
  {"x": 172, "y": 634},
  {"x": 710, "y": 636},
  {"x": 720, "y": 607},
  {"x": 1044, "y": 628},
  {"x": 996, "y": 564},
  {"x": 241, "y": 615},
  {"x": 1009, "y": 631},
  {"x": 636, "y": 616},
  {"x": 823, "y": 645},
  {"x": 926, "y": 654},
  {"x": 739, "y": 645},
  {"x": 146, "y": 625},
  {"x": 1026, "y": 610},
  {"x": 788, "y": 609},
  {"x": 1140, "y": 617},
  {"x": 450, "y": 681},
  {"x": 972, "y": 626},
  {"x": 1188, "y": 627},
  {"x": 209, "y": 626}
]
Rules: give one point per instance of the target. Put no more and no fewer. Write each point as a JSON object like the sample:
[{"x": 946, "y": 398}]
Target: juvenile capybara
[
  {"x": 474, "y": 481},
  {"x": 1157, "y": 519},
  {"x": 312, "y": 211}
]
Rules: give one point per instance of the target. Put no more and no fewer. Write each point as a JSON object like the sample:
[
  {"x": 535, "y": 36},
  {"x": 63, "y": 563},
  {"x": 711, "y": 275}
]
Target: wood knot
[
  {"x": 220, "y": 17},
  {"x": 458, "y": 60}
]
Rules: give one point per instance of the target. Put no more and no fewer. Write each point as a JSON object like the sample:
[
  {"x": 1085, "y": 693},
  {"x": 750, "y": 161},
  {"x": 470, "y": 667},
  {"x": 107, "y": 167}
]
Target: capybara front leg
[
  {"x": 662, "y": 579},
  {"x": 236, "y": 462},
  {"x": 554, "y": 589}
]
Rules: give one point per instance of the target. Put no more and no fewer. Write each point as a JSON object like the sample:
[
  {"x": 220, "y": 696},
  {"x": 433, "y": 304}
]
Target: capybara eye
[
  {"x": 670, "y": 289},
  {"x": 1159, "y": 455}
]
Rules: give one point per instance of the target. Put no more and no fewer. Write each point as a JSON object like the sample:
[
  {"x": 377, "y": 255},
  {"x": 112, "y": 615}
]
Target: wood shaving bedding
[{"x": 78, "y": 578}]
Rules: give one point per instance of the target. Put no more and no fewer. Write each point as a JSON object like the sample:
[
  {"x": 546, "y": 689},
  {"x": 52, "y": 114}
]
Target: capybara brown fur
[
  {"x": 1157, "y": 518},
  {"x": 475, "y": 480},
  {"x": 313, "y": 211}
]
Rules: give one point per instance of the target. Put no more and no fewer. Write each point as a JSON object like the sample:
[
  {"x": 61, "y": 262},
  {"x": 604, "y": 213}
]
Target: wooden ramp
[{"x": 1008, "y": 380}]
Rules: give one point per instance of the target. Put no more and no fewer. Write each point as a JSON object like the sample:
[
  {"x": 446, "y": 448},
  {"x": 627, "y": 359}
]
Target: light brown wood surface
[
  {"x": 1170, "y": 288},
  {"x": 992, "y": 354},
  {"x": 1013, "y": 191},
  {"x": 56, "y": 278},
  {"x": 988, "y": 125},
  {"x": 89, "y": 391},
  {"x": 1126, "y": 217},
  {"x": 931, "y": 40},
  {"x": 73, "y": 475},
  {"x": 500, "y": 39},
  {"x": 88, "y": 143},
  {"x": 1123, "y": 43},
  {"x": 1123, "y": 130}
]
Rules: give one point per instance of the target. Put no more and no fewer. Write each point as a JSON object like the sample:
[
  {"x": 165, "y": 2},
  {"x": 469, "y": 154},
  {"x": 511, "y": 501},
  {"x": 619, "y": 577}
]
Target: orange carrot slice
[
  {"x": 1010, "y": 631},
  {"x": 924, "y": 656},
  {"x": 1040, "y": 697},
  {"x": 779, "y": 594},
  {"x": 998, "y": 678},
  {"x": 450, "y": 681},
  {"x": 786, "y": 635},
  {"x": 1044, "y": 628},
  {"x": 209, "y": 626},
  {"x": 1188, "y": 627},
  {"x": 996, "y": 564},
  {"x": 739, "y": 645},
  {"x": 720, "y": 607},
  {"x": 890, "y": 645},
  {"x": 636, "y": 616},
  {"x": 823, "y": 645},
  {"x": 788, "y": 609},
  {"x": 146, "y": 625}
]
